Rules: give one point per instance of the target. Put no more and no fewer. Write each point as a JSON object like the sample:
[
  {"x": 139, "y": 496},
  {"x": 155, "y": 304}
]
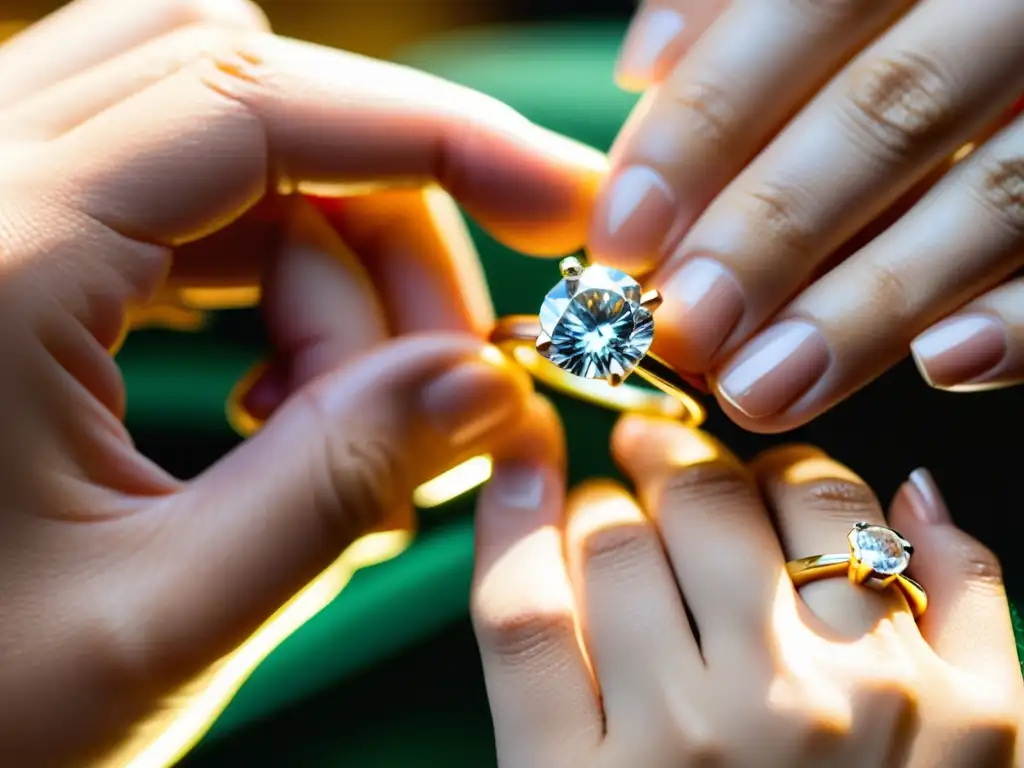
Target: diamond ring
[
  {"x": 594, "y": 330},
  {"x": 878, "y": 557}
]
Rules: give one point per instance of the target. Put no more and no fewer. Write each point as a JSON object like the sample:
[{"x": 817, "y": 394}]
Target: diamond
[
  {"x": 882, "y": 549},
  {"x": 596, "y": 325}
]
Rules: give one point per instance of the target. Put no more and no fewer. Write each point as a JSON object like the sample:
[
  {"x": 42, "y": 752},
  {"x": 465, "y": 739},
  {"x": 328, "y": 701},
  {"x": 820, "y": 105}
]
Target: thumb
[
  {"x": 968, "y": 618},
  {"x": 340, "y": 456}
]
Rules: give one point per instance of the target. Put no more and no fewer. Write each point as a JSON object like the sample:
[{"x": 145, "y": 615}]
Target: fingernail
[
  {"x": 518, "y": 484},
  {"x": 647, "y": 41},
  {"x": 925, "y": 499},
  {"x": 960, "y": 352},
  {"x": 703, "y": 304},
  {"x": 475, "y": 399},
  {"x": 632, "y": 217},
  {"x": 775, "y": 369}
]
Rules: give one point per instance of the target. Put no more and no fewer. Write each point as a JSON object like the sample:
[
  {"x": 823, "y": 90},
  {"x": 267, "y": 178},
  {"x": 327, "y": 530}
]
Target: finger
[
  {"x": 320, "y": 308},
  {"x": 319, "y": 304},
  {"x": 68, "y": 102},
  {"x": 542, "y": 697},
  {"x": 323, "y": 121},
  {"x": 896, "y": 112},
  {"x": 419, "y": 254},
  {"x": 980, "y": 347},
  {"x": 744, "y": 77},
  {"x": 634, "y": 625},
  {"x": 816, "y": 502},
  {"x": 965, "y": 236},
  {"x": 968, "y": 617},
  {"x": 699, "y": 494},
  {"x": 85, "y": 33},
  {"x": 660, "y": 34},
  {"x": 338, "y": 459},
  {"x": 190, "y": 154}
]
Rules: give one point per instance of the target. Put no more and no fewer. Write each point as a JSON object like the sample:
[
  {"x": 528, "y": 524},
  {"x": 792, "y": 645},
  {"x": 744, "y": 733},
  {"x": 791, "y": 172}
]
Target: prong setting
[
  {"x": 651, "y": 300},
  {"x": 571, "y": 268}
]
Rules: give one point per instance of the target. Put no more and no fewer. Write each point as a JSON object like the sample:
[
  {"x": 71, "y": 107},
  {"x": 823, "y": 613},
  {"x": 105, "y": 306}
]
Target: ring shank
[
  {"x": 516, "y": 336},
  {"x": 810, "y": 569}
]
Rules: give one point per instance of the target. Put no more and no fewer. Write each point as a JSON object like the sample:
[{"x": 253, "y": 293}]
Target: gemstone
[
  {"x": 881, "y": 548},
  {"x": 596, "y": 326}
]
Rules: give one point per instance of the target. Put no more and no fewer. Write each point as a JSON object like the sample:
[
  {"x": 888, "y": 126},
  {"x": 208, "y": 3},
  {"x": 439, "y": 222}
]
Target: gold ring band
[
  {"x": 878, "y": 556},
  {"x": 516, "y": 336}
]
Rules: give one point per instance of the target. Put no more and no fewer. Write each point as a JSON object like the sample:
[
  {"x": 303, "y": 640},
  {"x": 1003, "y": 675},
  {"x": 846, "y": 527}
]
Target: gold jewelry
[
  {"x": 878, "y": 557},
  {"x": 594, "y": 330}
]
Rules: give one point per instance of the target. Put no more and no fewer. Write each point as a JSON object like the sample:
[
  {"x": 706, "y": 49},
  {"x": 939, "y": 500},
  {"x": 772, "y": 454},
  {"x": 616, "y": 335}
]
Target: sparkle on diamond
[
  {"x": 881, "y": 548},
  {"x": 596, "y": 324}
]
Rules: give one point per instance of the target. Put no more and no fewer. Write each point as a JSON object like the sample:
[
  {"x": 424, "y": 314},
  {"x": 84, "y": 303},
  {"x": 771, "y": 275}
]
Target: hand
[
  {"x": 590, "y": 657},
  {"x": 148, "y": 157},
  {"x": 796, "y": 178}
]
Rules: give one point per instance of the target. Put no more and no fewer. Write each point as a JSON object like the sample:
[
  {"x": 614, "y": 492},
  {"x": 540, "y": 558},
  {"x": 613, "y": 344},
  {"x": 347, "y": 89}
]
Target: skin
[
  {"x": 152, "y": 159},
  {"x": 582, "y": 607},
  {"x": 820, "y": 188}
]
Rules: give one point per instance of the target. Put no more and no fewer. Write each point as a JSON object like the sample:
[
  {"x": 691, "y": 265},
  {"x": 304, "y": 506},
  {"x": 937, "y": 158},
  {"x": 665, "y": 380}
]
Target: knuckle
[
  {"x": 711, "y": 485},
  {"x": 828, "y": 12},
  {"x": 234, "y": 68},
  {"x": 617, "y": 547},
  {"x": 704, "y": 111},
  {"x": 525, "y": 635},
  {"x": 895, "y": 104},
  {"x": 1002, "y": 192},
  {"x": 357, "y": 480},
  {"x": 978, "y": 564},
  {"x": 784, "y": 215},
  {"x": 892, "y": 299},
  {"x": 838, "y": 499}
]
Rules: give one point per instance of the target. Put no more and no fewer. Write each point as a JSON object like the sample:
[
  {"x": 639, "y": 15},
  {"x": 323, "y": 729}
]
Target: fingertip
[
  {"x": 527, "y": 485},
  {"x": 645, "y": 446},
  {"x": 542, "y": 204},
  {"x": 650, "y": 48},
  {"x": 538, "y": 437},
  {"x": 597, "y": 490}
]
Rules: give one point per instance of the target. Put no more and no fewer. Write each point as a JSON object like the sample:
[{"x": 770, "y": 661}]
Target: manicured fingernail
[
  {"x": 925, "y": 499},
  {"x": 632, "y": 217},
  {"x": 703, "y": 304},
  {"x": 960, "y": 353},
  {"x": 648, "y": 40},
  {"x": 775, "y": 369},
  {"x": 518, "y": 484},
  {"x": 475, "y": 399}
]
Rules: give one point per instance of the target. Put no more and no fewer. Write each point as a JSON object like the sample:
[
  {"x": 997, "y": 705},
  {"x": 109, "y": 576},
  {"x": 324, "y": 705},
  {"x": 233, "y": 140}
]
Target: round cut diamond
[
  {"x": 881, "y": 548},
  {"x": 596, "y": 326}
]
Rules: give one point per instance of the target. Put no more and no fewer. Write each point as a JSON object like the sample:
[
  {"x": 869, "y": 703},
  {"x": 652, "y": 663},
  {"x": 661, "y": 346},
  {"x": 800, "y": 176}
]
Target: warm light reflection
[
  {"x": 235, "y": 297},
  {"x": 815, "y": 468},
  {"x": 455, "y": 482},
  {"x": 240, "y": 419},
  {"x": 9, "y": 28},
  {"x": 185, "y": 718},
  {"x": 963, "y": 152},
  {"x": 694, "y": 447},
  {"x": 171, "y": 316}
]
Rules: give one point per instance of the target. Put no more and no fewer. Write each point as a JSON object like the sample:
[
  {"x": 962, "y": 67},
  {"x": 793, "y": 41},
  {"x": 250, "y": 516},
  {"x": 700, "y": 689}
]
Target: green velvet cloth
[{"x": 387, "y": 675}]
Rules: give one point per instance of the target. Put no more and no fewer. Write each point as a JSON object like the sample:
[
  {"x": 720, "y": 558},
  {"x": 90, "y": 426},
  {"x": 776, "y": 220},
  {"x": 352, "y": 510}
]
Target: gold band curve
[
  {"x": 516, "y": 336},
  {"x": 810, "y": 569}
]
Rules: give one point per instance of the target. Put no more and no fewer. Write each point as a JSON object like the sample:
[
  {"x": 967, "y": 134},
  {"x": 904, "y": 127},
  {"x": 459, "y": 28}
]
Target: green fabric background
[{"x": 388, "y": 675}]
